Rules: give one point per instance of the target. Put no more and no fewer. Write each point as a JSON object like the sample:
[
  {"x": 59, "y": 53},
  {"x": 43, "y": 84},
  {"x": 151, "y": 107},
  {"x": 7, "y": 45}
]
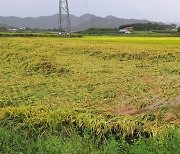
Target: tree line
[
  {"x": 149, "y": 26},
  {"x": 178, "y": 29}
]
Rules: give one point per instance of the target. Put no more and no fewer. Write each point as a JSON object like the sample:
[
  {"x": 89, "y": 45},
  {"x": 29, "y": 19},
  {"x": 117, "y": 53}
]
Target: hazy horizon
[{"x": 154, "y": 10}]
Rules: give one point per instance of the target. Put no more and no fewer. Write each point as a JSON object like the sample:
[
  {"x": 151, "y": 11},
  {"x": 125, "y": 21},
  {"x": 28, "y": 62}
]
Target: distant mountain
[
  {"x": 78, "y": 23},
  {"x": 6, "y": 26}
]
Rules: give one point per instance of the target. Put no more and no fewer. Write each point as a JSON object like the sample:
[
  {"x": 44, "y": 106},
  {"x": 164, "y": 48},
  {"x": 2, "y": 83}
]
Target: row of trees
[
  {"x": 5, "y": 29},
  {"x": 149, "y": 26},
  {"x": 178, "y": 29}
]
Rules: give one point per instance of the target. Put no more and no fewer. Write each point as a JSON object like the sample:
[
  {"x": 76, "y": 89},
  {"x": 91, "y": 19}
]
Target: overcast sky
[{"x": 156, "y": 10}]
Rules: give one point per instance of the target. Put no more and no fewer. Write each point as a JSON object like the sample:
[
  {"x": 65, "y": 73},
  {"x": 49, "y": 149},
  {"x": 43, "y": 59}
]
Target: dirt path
[{"x": 127, "y": 110}]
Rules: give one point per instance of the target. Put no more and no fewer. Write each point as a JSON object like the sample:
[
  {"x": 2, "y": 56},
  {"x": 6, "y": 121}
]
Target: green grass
[
  {"x": 11, "y": 142},
  {"x": 137, "y": 40},
  {"x": 89, "y": 85}
]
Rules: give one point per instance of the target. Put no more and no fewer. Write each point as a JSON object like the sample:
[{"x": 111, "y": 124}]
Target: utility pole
[{"x": 64, "y": 19}]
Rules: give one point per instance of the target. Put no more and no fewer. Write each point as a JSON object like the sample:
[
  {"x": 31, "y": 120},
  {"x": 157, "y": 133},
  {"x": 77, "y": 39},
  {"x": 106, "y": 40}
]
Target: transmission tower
[{"x": 64, "y": 19}]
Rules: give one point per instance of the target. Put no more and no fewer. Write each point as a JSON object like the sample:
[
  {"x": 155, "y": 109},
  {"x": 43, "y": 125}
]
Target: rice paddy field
[{"x": 90, "y": 95}]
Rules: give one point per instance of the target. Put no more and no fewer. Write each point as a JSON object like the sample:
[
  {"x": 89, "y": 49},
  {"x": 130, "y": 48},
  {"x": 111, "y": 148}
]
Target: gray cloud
[{"x": 157, "y": 10}]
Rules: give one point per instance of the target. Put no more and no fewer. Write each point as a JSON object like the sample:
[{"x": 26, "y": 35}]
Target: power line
[
  {"x": 92, "y": 14},
  {"x": 86, "y": 4}
]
